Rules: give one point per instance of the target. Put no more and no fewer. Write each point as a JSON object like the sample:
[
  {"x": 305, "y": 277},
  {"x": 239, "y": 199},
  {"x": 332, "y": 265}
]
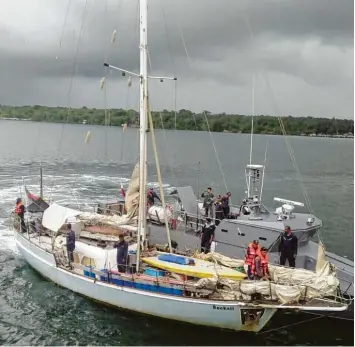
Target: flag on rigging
[
  {"x": 123, "y": 194},
  {"x": 31, "y": 196}
]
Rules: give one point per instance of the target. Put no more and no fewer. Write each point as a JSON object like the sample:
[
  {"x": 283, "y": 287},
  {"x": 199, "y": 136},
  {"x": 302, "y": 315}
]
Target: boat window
[
  {"x": 262, "y": 238},
  {"x": 87, "y": 261},
  {"x": 224, "y": 230}
]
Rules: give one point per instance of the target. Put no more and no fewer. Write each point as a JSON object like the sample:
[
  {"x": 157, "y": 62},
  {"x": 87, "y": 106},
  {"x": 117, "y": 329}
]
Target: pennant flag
[{"x": 123, "y": 194}]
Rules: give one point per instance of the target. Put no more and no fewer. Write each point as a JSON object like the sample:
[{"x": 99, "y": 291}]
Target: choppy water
[{"x": 35, "y": 311}]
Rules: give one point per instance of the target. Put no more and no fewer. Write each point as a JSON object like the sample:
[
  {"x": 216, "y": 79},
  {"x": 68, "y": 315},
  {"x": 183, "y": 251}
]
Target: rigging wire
[
  {"x": 105, "y": 83},
  {"x": 167, "y": 37},
  {"x": 188, "y": 60},
  {"x": 284, "y": 133},
  {"x": 168, "y": 155},
  {"x": 262, "y": 180},
  {"x": 172, "y": 61},
  {"x": 204, "y": 113},
  {"x": 57, "y": 55},
  {"x": 175, "y": 99},
  {"x": 290, "y": 325},
  {"x": 71, "y": 84}
]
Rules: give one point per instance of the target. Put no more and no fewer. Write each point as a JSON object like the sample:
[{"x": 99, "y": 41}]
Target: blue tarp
[{"x": 176, "y": 259}]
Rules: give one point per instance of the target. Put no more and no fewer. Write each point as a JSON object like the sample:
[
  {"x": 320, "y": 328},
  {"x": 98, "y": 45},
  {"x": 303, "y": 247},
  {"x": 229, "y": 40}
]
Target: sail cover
[{"x": 37, "y": 206}]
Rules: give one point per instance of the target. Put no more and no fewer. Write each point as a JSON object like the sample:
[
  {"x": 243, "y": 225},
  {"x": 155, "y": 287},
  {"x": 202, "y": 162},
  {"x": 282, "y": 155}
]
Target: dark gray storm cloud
[{"x": 213, "y": 46}]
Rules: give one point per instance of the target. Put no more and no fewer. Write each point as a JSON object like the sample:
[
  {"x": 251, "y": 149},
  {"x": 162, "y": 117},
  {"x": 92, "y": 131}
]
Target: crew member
[
  {"x": 288, "y": 247},
  {"x": 122, "y": 253},
  {"x": 151, "y": 196},
  {"x": 261, "y": 266},
  {"x": 208, "y": 201},
  {"x": 70, "y": 243},
  {"x": 20, "y": 211},
  {"x": 207, "y": 236},
  {"x": 225, "y": 204},
  {"x": 249, "y": 262},
  {"x": 218, "y": 210}
]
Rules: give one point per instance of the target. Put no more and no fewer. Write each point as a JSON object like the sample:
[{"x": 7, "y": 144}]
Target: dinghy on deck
[{"x": 199, "y": 268}]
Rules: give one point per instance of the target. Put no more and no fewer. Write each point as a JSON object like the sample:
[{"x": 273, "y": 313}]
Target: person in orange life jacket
[
  {"x": 288, "y": 247},
  {"x": 249, "y": 262},
  {"x": 207, "y": 236},
  {"x": 151, "y": 196},
  {"x": 261, "y": 268},
  {"x": 20, "y": 211},
  {"x": 70, "y": 243}
]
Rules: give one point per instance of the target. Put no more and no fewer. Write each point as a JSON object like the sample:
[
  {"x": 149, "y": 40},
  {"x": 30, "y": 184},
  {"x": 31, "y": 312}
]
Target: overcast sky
[{"x": 301, "y": 52}]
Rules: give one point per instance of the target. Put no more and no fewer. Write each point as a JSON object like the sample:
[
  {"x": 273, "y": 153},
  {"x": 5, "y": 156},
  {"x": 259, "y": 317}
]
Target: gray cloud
[{"x": 304, "y": 47}]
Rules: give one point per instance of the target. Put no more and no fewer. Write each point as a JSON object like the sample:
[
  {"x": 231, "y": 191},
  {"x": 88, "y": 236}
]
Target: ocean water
[{"x": 35, "y": 311}]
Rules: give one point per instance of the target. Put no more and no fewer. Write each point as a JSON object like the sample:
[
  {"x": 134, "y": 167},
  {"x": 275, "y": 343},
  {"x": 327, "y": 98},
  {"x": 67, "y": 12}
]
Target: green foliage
[{"x": 185, "y": 120}]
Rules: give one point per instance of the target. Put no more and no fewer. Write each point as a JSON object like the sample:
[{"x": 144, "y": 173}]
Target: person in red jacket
[
  {"x": 261, "y": 265},
  {"x": 20, "y": 211},
  {"x": 249, "y": 263}
]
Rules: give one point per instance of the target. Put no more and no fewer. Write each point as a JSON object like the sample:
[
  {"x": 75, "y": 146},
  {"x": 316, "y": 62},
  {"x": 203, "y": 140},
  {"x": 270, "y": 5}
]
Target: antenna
[
  {"x": 252, "y": 130},
  {"x": 41, "y": 182}
]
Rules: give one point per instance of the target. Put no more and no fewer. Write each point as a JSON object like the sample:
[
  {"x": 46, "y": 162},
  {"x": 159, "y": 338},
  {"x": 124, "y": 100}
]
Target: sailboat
[{"x": 165, "y": 284}]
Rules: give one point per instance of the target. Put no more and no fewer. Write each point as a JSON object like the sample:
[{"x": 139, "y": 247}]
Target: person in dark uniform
[
  {"x": 288, "y": 247},
  {"x": 122, "y": 253},
  {"x": 218, "y": 210},
  {"x": 207, "y": 236},
  {"x": 70, "y": 243},
  {"x": 20, "y": 211},
  {"x": 208, "y": 201},
  {"x": 151, "y": 196},
  {"x": 225, "y": 204}
]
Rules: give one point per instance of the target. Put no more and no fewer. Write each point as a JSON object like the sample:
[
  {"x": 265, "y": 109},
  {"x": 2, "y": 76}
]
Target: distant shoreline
[
  {"x": 337, "y": 136},
  {"x": 185, "y": 120}
]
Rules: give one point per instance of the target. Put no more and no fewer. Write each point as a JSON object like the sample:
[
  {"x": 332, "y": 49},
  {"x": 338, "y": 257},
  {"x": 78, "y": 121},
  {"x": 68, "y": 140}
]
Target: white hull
[{"x": 219, "y": 314}]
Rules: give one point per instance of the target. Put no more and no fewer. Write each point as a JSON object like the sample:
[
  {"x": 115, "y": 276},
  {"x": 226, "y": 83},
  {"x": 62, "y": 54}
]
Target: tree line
[{"x": 182, "y": 120}]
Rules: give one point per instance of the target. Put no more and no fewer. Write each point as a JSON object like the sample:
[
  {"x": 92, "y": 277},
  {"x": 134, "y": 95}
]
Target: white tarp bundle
[
  {"x": 287, "y": 285},
  {"x": 96, "y": 219},
  {"x": 220, "y": 259},
  {"x": 55, "y": 216}
]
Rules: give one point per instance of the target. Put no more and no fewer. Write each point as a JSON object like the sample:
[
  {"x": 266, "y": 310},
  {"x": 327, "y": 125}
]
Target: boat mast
[
  {"x": 143, "y": 111},
  {"x": 251, "y": 135}
]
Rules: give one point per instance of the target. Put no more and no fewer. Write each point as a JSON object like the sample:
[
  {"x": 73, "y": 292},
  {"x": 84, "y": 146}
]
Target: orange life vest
[
  {"x": 264, "y": 262},
  {"x": 250, "y": 256},
  {"x": 18, "y": 207}
]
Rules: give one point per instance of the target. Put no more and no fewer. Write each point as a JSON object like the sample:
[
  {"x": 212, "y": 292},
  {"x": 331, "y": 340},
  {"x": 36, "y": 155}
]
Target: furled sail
[
  {"x": 132, "y": 194},
  {"x": 131, "y": 206}
]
